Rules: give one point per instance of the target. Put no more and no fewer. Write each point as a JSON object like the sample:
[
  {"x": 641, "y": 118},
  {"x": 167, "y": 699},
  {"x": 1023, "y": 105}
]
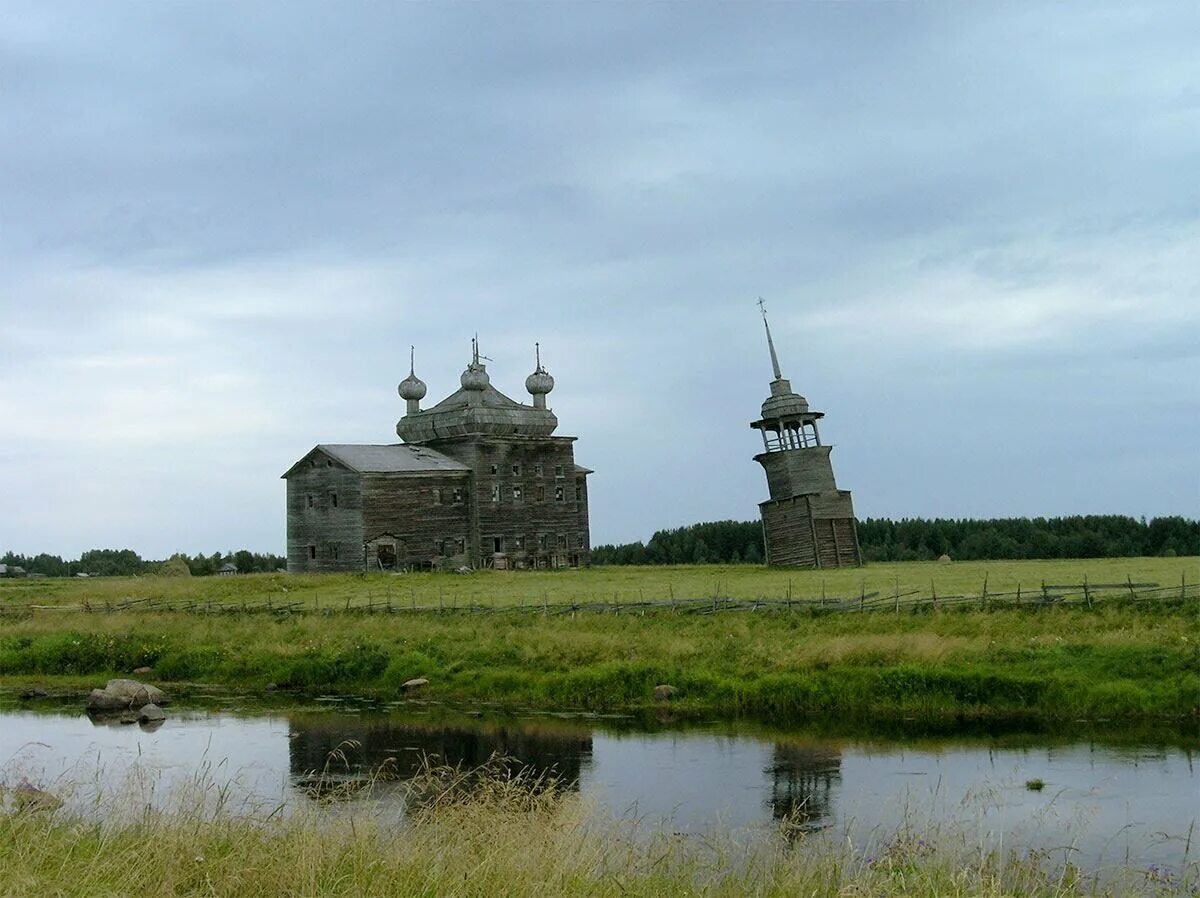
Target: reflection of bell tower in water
[
  {"x": 808, "y": 521},
  {"x": 803, "y": 780}
]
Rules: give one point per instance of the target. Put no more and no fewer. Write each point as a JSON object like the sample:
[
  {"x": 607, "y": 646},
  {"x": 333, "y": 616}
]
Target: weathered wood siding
[
  {"x": 420, "y": 511},
  {"x": 324, "y": 517},
  {"x": 526, "y": 494},
  {"x": 816, "y": 530}
]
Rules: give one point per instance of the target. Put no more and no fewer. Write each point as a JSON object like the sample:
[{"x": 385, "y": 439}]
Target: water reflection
[
  {"x": 696, "y": 779},
  {"x": 802, "y": 781},
  {"x": 324, "y": 749}
]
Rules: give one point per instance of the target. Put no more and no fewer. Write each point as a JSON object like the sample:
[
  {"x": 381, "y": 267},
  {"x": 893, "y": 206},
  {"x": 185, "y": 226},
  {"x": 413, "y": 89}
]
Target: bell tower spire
[
  {"x": 770, "y": 343},
  {"x": 807, "y": 521}
]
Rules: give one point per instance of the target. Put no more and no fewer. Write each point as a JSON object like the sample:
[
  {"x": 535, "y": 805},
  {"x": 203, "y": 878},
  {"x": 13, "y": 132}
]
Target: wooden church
[{"x": 480, "y": 480}]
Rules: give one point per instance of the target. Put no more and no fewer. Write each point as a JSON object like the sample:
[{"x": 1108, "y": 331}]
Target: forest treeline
[
  {"x": 731, "y": 542},
  {"x": 126, "y": 562},
  {"x": 920, "y": 539}
]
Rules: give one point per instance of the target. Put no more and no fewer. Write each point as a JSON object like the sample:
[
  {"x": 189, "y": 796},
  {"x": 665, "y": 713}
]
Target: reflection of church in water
[{"x": 406, "y": 748}]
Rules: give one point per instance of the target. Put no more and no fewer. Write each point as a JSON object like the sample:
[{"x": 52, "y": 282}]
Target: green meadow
[{"x": 1120, "y": 658}]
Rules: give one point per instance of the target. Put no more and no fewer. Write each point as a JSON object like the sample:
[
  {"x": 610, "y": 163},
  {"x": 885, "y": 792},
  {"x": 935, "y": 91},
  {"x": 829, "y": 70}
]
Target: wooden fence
[{"x": 896, "y": 601}]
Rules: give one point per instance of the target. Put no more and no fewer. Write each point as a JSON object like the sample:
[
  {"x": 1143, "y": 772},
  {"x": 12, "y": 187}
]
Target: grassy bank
[
  {"x": 1113, "y": 661},
  {"x": 505, "y": 838}
]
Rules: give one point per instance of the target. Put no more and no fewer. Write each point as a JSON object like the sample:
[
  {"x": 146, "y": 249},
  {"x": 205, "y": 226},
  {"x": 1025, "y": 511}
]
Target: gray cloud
[{"x": 221, "y": 226}]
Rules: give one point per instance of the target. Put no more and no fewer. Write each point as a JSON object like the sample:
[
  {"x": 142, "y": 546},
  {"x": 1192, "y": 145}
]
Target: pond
[{"x": 1106, "y": 798}]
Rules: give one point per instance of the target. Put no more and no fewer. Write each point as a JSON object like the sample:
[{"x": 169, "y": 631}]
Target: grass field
[
  {"x": 1118, "y": 660},
  {"x": 503, "y": 837},
  {"x": 608, "y": 584}
]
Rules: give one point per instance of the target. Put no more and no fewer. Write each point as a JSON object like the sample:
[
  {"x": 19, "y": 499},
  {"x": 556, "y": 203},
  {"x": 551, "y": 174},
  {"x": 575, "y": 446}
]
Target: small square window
[
  {"x": 538, "y": 470},
  {"x": 518, "y": 543},
  {"x": 516, "y": 469},
  {"x": 559, "y": 494},
  {"x": 558, "y": 471},
  {"x": 495, "y": 470},
  {"x": 516, "y": 493},
  {"x": 495, "y": 492}
]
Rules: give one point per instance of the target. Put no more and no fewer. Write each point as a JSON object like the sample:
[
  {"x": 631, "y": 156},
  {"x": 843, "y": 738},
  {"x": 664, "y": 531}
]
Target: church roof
[
  {"x": 482, "y": 410},
  {"x": 395, "y": 458}
]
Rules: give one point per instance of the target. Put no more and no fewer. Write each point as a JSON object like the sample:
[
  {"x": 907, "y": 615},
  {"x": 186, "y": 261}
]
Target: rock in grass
[
  {"x": 150, "y": 713},
  {"x": 142, "y": 671},
  {"x": 943, "y": 559},
  {"x": 28, "y": 797},
  {"x": 414, "y": 685},
  {"x": 272, "y": 687},
  {"x": 30, "y": 694},
  {"x": 664, "y": 692}
]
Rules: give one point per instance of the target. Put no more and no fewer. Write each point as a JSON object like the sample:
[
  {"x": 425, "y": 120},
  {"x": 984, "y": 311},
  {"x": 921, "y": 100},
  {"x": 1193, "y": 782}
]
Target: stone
[
  {"x": 142, "y": 671},
  {"x": 29, "y": 797},
  {"x": 664, "y": 692},
  {"x": 414, "y": 685},
  {"x": 103, "y": 700},
  {"x": 272, "y": 687},
  {"x": 944, "y": 559},
  {"x": 151, "y": 712},
  {"x": 118, "y": 695},
  {"x": 136, "y": 693},
  {"x": 30, "y": 694}
]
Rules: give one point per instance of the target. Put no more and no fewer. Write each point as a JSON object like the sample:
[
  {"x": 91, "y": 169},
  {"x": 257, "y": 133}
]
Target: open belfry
[
  {"x": 808, "y": 521},
  {"x": 481, "y": 480}
]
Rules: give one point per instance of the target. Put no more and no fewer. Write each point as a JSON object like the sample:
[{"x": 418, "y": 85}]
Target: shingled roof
[{"x": 395, "y": 458}]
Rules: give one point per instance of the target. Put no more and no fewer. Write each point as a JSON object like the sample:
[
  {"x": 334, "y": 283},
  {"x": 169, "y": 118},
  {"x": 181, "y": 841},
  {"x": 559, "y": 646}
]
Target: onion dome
[
  {"x": 539, "y": 383},
  {"x": 475, "y": 377},
  {"x": 412, "y": 387}
]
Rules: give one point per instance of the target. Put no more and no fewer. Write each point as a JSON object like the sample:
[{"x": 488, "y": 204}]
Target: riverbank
[
  {"x": 1114, "y": 661},
  {"x": 516, "y": 836}
]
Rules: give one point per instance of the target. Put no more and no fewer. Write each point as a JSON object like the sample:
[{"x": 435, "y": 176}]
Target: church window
[
  {"x": 562, "y": 540},
  {"x": 518, "y": 543},
  {"x": 333, "y": 499},
  {"x": 495, "y": 470},
  {"x": 497, "y": 543},
  {"x": 559, "y": 494},
  {"x": 458, "y": 495},
  {"x": 516, "y": 494},
  {"x": 578, "y": 490},
  {"x": 495, "y": 492},
  {"x": 516, "y": 469},
  {"x": 333, "y": 552},
  {"x": 558, "y": 471},
  {"x": 437, "y": 497},
  {"x": 312, "y": 552},
  {"x": 579, "y": 541},
  {"x": 545, "y": 541},
  {"x": 541, "y": 493},
  {"x": 538, "y": 470},
  {"x": 311, "y": 501}
]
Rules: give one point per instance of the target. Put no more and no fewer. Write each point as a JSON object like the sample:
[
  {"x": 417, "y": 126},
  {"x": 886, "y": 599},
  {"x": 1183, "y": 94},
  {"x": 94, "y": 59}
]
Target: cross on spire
[{"x": 770, "y": 343}]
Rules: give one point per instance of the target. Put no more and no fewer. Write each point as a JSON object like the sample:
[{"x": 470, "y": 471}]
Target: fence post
[
  {"x": 933, "y": 592},
  {"x": 1045, "y": 594},
  {"x": 983, "y": 597},
  {"x": 862, "y": 597},
  {"x": 1129, "y": 580},
  {"x": 1086, "y": 594},
  {"x": 897, "y": 595}
]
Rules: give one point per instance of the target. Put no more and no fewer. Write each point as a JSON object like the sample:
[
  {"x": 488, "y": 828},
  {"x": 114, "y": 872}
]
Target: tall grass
[
  {"x": 503, "y": 837},
  {"x": 1111, "y": 661}
]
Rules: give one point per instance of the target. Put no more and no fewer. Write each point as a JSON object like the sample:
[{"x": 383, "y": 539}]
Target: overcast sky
[{"x": 976, "y": 228}]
